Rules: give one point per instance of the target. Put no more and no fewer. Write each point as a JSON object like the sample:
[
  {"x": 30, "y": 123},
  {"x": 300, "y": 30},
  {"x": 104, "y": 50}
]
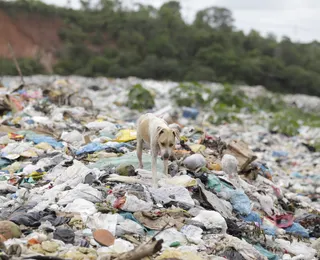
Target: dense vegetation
[{"x": 110, "y": 40}]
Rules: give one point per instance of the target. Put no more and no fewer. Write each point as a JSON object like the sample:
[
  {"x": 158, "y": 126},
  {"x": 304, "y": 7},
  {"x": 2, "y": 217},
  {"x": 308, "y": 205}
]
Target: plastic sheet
[{"x": 240, "y": 202}]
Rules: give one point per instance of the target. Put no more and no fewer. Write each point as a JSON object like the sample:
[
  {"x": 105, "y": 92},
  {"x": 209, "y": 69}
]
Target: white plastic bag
[
  {"x": 212, "y": 220},
  {"x": 103, "y": 221}
]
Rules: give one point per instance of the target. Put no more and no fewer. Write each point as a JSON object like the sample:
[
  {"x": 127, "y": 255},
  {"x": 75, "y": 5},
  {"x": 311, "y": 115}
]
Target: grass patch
[
  {"x": 191, "y": 95},
  {"x": 289, "y": 121}
]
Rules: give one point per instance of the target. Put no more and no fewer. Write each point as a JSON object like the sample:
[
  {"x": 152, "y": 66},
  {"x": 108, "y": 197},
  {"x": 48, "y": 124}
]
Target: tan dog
[{"x": 161, "y": 138}]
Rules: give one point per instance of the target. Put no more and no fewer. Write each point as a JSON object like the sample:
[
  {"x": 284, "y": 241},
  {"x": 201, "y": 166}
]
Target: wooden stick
[{"x": 16, "y": 63}]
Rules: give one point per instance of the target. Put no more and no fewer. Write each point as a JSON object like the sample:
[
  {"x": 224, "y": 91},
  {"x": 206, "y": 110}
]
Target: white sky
[{"x": 298, "y": 19}]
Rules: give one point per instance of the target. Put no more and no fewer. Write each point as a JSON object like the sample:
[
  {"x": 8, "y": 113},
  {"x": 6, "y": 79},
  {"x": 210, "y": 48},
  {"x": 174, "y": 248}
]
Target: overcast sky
[{"x": 298, "y": 19}]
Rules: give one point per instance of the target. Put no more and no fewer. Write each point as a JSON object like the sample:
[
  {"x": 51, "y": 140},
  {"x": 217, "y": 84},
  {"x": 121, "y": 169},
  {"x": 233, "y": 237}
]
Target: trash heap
[{"x": 70, "y": 187}]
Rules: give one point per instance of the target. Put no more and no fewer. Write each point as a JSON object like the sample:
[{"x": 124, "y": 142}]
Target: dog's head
[{"x": 166, "y": 141}]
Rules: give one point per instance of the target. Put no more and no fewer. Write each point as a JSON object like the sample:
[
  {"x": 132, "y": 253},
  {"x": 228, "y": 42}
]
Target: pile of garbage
[{"x": 70, "y": 186}]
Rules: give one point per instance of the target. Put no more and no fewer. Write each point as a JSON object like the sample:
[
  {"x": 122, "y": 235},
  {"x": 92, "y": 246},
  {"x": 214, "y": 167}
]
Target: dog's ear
[
  {"x": 176, "y": 134},
  {"x": 160, "y": 130},
  {"x": 176, "y": 130}
]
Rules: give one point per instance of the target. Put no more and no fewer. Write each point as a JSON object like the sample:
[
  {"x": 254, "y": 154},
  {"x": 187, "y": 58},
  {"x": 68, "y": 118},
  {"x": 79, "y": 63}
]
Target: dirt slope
[{"x": 30, "y": 36}]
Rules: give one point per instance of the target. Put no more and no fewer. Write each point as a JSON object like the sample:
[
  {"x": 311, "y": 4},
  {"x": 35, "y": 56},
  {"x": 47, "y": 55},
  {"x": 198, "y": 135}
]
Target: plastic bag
[
  {"x": 182, "y": 180},
  {"x": 119, "y": 246},
  {"x": 297, "y": 248},
  {"x": 96, "y": 147},
  {"x": 129, "y": 226},
  {"x": 192, "y": 233},
  {"x": 4, "y": 162},
  {"x": 34, "y": 219},
  {"x": 189, "y": 112},
  {"x": 128, "y": 158},
  {"x": 44, "y": 139},
  {"x": 170, "y": 236},
  {"x": 83, "y": 207},
  {"x": 13, "y": 150},
  {"x": 297, "y": 229},
  {"x": 178, "y": 194},
  {"x": 71, "y": 176},
  {"x": 280, "y": 154},
  {"x": 126, "y": 135},
  {"x": 103, "y": 221},
  {"x": 253, "y": 217},
  {"x": 83, "y": 191},
  {"x": 266, "y": 253},
  {"x": 134, "y": 204},
  {"x": 240, "y": 202},
  {"x": 222, "y": 206},
  {"x": 73, "y": 137},
  {"x": 214, "y": 183},
  {"x": 65, "y": 235},
  {"x": 179, "y": 254},
  {"x": 99, "y": 125},
  {"x": 212, "y": 220}
]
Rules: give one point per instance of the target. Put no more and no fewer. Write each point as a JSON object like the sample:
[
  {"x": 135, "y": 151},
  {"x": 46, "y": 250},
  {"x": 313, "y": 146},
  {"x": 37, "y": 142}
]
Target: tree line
[{"x": 110, "y": 40}]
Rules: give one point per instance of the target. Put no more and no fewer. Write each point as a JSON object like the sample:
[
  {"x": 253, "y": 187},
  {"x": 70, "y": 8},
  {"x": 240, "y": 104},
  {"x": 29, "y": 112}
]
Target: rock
[
  {"x": 9, "y": 230},
  {"x": 126, "y": 170},
  {"x": 195, "y": 161}
]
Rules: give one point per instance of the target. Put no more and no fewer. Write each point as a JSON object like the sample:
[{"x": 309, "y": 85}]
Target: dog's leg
[
  {"x": 139, "y": 151},
  {"x": 154, "y": 171},
  {"x": 154, "y": 154},
  {"x": 165, "y": 165}
]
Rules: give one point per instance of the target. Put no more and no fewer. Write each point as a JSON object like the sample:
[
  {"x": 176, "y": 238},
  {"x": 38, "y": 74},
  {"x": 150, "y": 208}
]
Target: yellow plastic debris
[
  {"x": 29, "y": 154},
  {"x": 214, "y": 166},
  {"x": 196, "y": 148},
  {"x": 16, "y": 120},
  {"x": 44, "y": 146},
  {"x": 126, "y": 135},
  {"x": 37, "y": 175},
  {"x": 184, "y": 138},
  {"x": 175, "y": 253},
  {"x": 182, "y": 180}
]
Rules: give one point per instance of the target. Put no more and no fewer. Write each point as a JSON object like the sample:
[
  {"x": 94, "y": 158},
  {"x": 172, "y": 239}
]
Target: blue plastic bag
[
  {"x": 214, "y": 183},
  {"x": 271, "y": 231},
  {"x": 253, "y": 217},
  {"x": 189, "y": 112},
  {"x": 37, "y": 139},
  {"x": 96, "y": 147},
  {"x": 90, "y": 148},
  {"x": 240, "y": 202},
  {"x": 4, "y": 162},
  {"x": 297, "y": 229},
  {"x": 266, "y": 253},
  {"x": 279, "y": 154}
]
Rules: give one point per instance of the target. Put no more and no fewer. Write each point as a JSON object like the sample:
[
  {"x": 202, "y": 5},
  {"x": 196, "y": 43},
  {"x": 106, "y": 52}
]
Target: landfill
[{"x": 71, "y": 187}]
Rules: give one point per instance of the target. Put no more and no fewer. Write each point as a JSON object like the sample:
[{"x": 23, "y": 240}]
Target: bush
[
  {"x": 191, "y": 95},
  {"x": 288, "y": 121},
  {"x": 140, "y": 98},
  {"x": 28, "y": 67}
]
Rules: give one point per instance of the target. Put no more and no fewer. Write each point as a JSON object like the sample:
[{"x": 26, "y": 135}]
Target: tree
[
  {"x": 215, "y": 17},
  {"x": 108, "y": 39}
]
